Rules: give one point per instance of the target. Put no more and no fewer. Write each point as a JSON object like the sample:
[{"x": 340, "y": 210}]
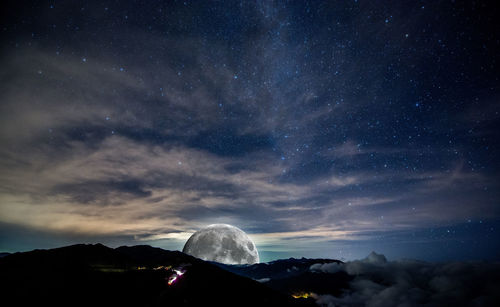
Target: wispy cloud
[{"x": 156, "y": 145}]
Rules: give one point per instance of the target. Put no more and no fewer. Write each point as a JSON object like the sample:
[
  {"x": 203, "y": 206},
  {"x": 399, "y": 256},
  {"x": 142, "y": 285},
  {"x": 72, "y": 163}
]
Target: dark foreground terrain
[{"x": 95, "y": 275}]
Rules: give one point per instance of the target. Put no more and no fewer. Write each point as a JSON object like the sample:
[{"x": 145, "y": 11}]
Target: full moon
[{"x": 222, "y": 243}]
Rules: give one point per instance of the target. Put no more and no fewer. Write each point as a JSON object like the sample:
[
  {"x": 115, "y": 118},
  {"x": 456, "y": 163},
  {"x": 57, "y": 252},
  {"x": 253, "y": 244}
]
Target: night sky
[{"x": 320, "y": 128}]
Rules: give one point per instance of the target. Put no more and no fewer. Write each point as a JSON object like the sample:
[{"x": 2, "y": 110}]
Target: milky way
[{"x": 324, "y": 129}]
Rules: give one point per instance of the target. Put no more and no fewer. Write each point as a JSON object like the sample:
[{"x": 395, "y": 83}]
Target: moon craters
[{"x": 222, "y": 243}]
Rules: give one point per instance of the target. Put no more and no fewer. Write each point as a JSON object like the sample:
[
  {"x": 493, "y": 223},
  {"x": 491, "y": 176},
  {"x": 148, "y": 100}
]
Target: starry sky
[{"x": 320, "y": 128}]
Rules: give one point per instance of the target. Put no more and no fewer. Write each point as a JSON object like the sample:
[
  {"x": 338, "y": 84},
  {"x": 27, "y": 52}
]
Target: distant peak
[{"x": 375, "y": 258}]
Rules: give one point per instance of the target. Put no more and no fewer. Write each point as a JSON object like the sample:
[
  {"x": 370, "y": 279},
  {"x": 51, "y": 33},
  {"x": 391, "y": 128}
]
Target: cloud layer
[{"x": 378, "y": 282}]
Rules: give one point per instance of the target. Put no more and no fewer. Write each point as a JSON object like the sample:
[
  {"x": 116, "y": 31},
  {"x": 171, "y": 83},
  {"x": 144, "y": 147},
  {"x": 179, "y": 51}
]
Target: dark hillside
[{"x": 95, "y": 275}]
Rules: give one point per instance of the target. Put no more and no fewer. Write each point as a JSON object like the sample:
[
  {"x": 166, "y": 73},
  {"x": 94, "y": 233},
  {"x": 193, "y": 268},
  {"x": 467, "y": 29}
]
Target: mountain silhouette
[
  {"x": 96, "y": 275},
  {"x": 294, "y": 276}
]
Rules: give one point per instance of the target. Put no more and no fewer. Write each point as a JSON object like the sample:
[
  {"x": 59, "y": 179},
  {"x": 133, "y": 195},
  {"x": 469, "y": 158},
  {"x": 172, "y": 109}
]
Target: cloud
[
  {"x": 326, "y": 267},
  {"x": 378, "y": 282},
  {"x": 156, "y": 141},
  {"x": 182, "y": 236},
  {"x": 121, "y": 186}
]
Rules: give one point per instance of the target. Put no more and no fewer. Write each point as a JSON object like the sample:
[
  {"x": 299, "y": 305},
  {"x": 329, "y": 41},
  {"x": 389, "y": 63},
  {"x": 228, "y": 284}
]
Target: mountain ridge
[{"x": 84, "y": 274}]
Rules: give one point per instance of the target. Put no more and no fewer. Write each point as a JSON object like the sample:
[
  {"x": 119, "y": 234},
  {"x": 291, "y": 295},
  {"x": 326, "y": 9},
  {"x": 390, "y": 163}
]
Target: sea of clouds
[{"x": 378, "y": 282}]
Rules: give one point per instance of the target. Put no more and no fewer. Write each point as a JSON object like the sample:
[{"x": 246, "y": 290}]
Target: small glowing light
[
  {"x": 179, "y": 273},
  {"x": 175, "y": 276},
  {"x": 301, "y": 295},
  {"x": 172, "y": 279},
  {"x": 162, "y": 267}
]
